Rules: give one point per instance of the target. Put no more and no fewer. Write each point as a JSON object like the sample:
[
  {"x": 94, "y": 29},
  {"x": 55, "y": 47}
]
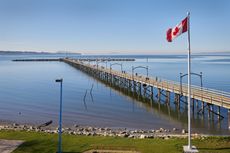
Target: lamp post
[
  {"x": 60, "y": 117},
  {"x": 192, "y": 73},
  {"x": 143, "y": 67},
  {"x": 102, "y": 62},
  {"x": 111, "y": 64}
]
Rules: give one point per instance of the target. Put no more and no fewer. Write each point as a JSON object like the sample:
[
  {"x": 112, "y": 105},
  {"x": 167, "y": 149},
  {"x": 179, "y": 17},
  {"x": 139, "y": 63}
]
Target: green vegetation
[{"x": 47, "y": 143}]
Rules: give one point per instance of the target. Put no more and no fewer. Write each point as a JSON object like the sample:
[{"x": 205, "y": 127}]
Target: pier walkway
[{"x": 144, "y": 86}]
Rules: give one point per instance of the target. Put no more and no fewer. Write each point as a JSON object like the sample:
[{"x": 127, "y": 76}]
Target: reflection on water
[{"x": 29, "y": 94}]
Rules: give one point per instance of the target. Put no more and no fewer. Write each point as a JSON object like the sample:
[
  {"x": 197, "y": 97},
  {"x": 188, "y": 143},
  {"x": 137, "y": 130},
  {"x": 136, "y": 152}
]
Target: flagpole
[{"x": 189, "y": 83}]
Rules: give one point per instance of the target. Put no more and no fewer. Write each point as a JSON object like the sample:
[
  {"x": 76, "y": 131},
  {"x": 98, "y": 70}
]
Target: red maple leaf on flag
[{"x": 175, "y": 31}]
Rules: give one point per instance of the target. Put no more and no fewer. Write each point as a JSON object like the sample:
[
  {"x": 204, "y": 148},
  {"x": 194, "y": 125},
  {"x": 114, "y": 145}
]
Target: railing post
[
  {"x": 132, "y": 73},
  {"x": 181, "y": 83},
  {"x": 147, "y": 71}
]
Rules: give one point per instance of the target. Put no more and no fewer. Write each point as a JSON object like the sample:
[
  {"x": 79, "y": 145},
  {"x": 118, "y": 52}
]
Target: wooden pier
[
  {"x": 79, "y": 59},
  {"x": 156, "y": 89},
  {"x": 105, "y": 59}
]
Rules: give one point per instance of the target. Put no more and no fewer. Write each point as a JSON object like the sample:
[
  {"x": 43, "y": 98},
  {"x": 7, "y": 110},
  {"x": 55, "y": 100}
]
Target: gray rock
[
  {"x": 122, "y": 132},
  {"x": 123, "y": 135},
  {"x": 75, "y": 125},
  {"x": 88, "y": 134},
  {"x": 166, "y": 137},
  {"x": 142, "y": 136},
  {"x": 31, "y": 128},
  {"x": 157, "y": 131},
  {"x": 67, "y": 129},
  {"x": 184, "y": 131},
  {"x": 91, "y": 129},
  {"x": 23, "y": 126},
  {"x": 131, "y": 136},
  {"x": 150, "y": 136},
  {"x": 132, "y": 132},
  {"x": 15, "y": 124},
  {"x": 93, "y": 134},
  {"x": 71, "y": 132}
]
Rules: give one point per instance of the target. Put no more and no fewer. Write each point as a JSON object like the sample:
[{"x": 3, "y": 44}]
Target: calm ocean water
[{"x": 29, "y": 94}]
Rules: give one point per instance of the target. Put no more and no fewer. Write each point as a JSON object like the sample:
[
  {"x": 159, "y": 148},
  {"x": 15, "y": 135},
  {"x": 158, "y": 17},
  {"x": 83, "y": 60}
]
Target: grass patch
[{"x": 47, "y": 143}]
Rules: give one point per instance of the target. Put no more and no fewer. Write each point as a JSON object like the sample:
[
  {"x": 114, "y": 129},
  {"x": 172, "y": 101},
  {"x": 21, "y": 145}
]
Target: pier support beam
[
  {"x": 202, "y": 107},
  {"x": 193, "y": 104},
  {"x": 177, "y": 100},
  {"x": 229, "y": 119},
  {"x": 208, "y": 111},
  {"x": 212, "y": 110},
  {"x": 134, "y": 88},
  {"x": 152, "y": 93},
  {"x": 159, "y": 95},
  {"x": 218, "y": 112},
  {"x": 139, "y": 90},
  {"x": 168, "y": 97},
  {"x": 197, "y": 104}
]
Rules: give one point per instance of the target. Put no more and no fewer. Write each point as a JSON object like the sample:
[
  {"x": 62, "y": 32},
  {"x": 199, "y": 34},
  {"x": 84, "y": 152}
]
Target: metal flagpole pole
[
  {"x": 189, "y": 148},
  {"x": 189, "y": 83}
]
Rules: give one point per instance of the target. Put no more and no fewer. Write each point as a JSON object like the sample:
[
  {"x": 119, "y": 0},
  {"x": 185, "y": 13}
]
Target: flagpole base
[{"x": 193, "y": 149}]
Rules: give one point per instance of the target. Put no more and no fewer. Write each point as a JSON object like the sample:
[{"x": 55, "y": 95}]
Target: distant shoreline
[
  {"x": 33, "y": 52},
  {"x": 3, "y": 52}
]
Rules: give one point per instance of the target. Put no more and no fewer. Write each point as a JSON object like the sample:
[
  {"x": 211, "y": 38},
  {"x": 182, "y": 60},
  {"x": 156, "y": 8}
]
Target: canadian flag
[{"x": 178, "y": 30}]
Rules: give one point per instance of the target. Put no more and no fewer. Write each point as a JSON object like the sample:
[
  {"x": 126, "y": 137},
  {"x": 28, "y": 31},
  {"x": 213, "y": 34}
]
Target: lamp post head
[{"x": 58, "y": 80}]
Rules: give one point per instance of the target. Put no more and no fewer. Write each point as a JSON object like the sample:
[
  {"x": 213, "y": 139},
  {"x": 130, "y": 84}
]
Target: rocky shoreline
[{"x": 99, "y": 131}]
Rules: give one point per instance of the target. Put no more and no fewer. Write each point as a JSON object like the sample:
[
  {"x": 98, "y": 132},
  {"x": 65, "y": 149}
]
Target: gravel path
[{"x": 7, "y": 146}]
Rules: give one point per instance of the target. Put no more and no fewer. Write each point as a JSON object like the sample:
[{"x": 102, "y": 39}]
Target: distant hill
[
  {"x": 33, "y": 52},
  {"x": 214, "y": 53}
]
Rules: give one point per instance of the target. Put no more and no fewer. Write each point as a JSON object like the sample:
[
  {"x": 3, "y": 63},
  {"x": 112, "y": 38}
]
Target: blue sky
[{"x": 112, "y": 26}]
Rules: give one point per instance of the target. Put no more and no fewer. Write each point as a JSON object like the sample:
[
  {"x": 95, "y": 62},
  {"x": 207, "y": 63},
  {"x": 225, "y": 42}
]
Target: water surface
[{"x": 29, "y": 94}]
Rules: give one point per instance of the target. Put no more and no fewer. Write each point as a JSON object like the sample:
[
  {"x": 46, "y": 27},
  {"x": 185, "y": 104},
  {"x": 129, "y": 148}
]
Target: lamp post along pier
[{"x": 60, "y": 118}]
